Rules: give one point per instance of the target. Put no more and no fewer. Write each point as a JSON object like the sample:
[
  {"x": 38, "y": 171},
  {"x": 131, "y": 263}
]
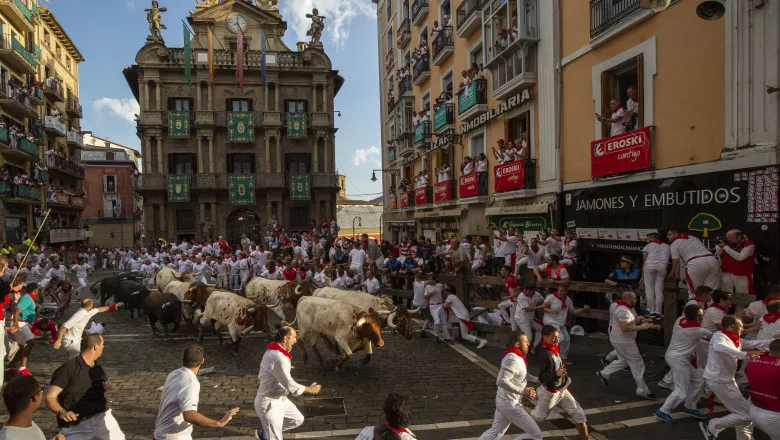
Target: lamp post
[
  {"x": 360, "y": 224},
  {"x": 392, "y": 171}
]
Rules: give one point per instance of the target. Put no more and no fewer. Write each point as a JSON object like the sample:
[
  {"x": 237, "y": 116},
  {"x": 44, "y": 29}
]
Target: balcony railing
[
  {"x": 391, "y": 157},
  {"x": 405, "y": 199},
  {"x": 289, "y": 61},
  {"x": 76, "y": 139},
  {"x": 422, "y": 133},
  {"x": 404, "y": 86},
  {"x": 472, "y": 95},
  {"x": 422, "y": 70},
  {"x": 54, "y": 125},
  {"x": 324, "y": 180},
  {"x": 73, "y": 107},
  {"x": 28, "y": 146},
  {"x": 390, "y": 104},
  {"x": 419, "y": 11},
  {"x": 512, "y": 176},
  {"x": 404, "y": 33},
  {"x": 423, "y": 196},
  {"x": 20, "y": 192},
  {"x": 65, "y": 165},
  {"x": 443, "y": 117},
  {"x": 23, "y": 52},
  {"x": 468, "y": 10},
  {"x": 605, "y": 14},
  {"x": 444, "y": 191},
  {"x": 473, "y": 185},
  {"x": 53, "y": 91},
  {"x": 443, "y": 45},
  {"x": 20, "y": 103}
]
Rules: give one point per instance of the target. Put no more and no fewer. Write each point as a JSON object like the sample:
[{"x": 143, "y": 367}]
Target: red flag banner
[
  {"x": 509, "y": 176},
  {"x": 420, "y": 196},
  {"x": 442, "y": 191},
  {"x": 468, "y": 185},
  {"x": 621, "y": 153}
]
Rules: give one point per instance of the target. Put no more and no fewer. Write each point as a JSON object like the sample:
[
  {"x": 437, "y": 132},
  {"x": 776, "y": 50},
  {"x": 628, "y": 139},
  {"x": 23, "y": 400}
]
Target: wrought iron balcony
[
  {"x": 152, "y": 182},
  {"x": 468, "y": 17},
  {"x": 19, "y": 147},
  {"x": 53, "y": 91},
  {"x": 512, "y": 176},
  {"x": 404, "y": 34},
  {"x": 422, "y": 70},
  {"x": 604, "y": 14},
  {"x": 73, "y": 107},
  {"x": 16, "y": 55},
  {"x": 20, "y": 104},
  {"x": 444, "y": 118},
  {"x": 419, "y": 11},
  {"x": 18, "y": 14},
  {"x": 75, "y": 139},
  {"x": 389, "y": 60},
  {"x": 443, "y": 45},
  {"x": 472, "y": 99},
  {"x": 68, "y": 166},
  {"x": 422, "y": 133},
  {"x": 405, "y": 86}
]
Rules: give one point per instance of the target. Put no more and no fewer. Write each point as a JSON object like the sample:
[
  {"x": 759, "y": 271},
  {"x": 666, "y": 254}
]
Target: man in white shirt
[
  {"x": 737, "y": 254},
  {"x": 701, "y": 267},
  {"x": 371, "y": 283},
  {"x": 69, "y": 334},
  {"x": 398, "y": 417},
  {"x": 511, "y": 381},
  {"x": 569, "y": 248},
  {"x": 528, "y": 302},
  {"x": 457, "y": 311},
  {"x": 656, "y": 256},
  {"x": 149, "y": 269},
  {"x": 434, "y": 297},
  {"x": 357, "y": 258},
  {"x": 179, "y": 401},
  {"x": 479, "y": 254},
  {"x": 726, "y": 349},
  {"x": 770, "y": 323},
  {"x": 757, "y": 309},
  {"x": 81, "y": 270},
  {"x": 622, "y": 334},
  {"x": 22, "y": 396},
  {"x": 276, "y": 412},
  {"x": 616, "y": 120}
]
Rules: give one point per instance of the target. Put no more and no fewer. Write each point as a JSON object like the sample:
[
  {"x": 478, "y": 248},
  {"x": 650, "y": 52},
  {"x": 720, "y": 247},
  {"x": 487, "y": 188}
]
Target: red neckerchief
[
  {"x": 658, "y": 242},
  {"x": 277, "y": 347},
  {"x": 703, "y": 303},
  {"x": 771, "y": 318},
  {"x": 396, "y": 430},
  {"x": 686, "y": 323},
  {"x": 620, "y": 302},
  {"x": 563, "y": 300},
  {"x": 733, "y": 336},
  {"x": 720, "y": 307},
  {"x": 634, "y": 99},
  {"x": 769, "y": 299},
  {"x": 554, "y": 348},
  {"x": 535, "y": 248},
  {"x": 517, "y": 352},
  {"x": 682, "y": 237}
]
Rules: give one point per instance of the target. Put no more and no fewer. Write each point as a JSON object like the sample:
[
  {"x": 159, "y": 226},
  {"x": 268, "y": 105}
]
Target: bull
[
  {"x": 107, "y": 287},
  {"x": 397, "y": 318},
  {"x": 133, "y": 294},
  {"x": 285, "y": 293},
  {"x": 348, "y": 327},
  {"x": 166, "y": 275},
  {"x": 180, "y": 289},
  {"x": 165, "y": 308},
  {"x": 196, "y": 298},
  {"x": 239, "y": 314}
]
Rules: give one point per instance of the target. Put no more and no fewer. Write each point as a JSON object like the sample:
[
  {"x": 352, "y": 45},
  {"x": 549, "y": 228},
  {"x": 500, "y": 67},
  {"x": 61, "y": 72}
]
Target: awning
[
  {"x": 402, "y": 223},
  {"x": 438, "y": 213},
  {"x": 540, "y": 207}
]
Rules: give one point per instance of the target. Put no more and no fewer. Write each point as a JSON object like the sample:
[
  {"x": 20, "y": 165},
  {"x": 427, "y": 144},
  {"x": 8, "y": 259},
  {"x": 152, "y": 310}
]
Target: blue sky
[{"x": 109, "y": 33}]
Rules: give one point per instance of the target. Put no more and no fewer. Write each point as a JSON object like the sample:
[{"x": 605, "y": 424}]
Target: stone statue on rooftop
[
  {"x": 155, "y": 20},
  {"x": 317, "y": 25}
]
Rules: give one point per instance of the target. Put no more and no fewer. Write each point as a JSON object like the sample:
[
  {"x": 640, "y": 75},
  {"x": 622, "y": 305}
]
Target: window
[
  {"x": 408, "y": 59},
  {"x": 615, "y": 84},
  {"x": 299, "y": 217},
  {"x": 477, "y": 144},
  {"x": 239, "y": 105},
  {"x": 519, "y": 131},
  {"x": 179, "y": 104},
  {"x": 444, "y": 10},
  {"x": 392, "y": 131},
  {"x": 405, "y": 10},
  {"x": 294, "y": 106},
  {"x": 109, "y": 184},
  {"x": 390, "y": 83},
  {"x": 241, "y": 163},
  {"x": 389, "y": 39},
  {"x": 182, "y": 163},
  {"x": 46, "y": 39},
  {"x": 185, "y": 220},
  {"x": 426, "y": 101},
  {"x": 424, "y": 34},
  {"x": 297, "y": 163},
  {"x": 476, "y": 56},
  {"x": 446, "y": 83}
]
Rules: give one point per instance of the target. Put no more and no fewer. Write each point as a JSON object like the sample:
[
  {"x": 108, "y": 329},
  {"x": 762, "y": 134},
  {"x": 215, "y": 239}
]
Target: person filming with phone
[{"x": 737, "y": 262}]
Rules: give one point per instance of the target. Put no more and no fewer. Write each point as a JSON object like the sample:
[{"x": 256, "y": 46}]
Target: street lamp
[
  {"x": 360, "y": 224},
  {"x": 392, "y": 171}
]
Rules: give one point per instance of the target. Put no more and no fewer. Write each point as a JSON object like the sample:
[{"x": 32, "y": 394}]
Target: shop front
[
  {"x": 614, "y": 220},
  {"x": 439, "y": 224},
  {"x": 397, "y": 229}
]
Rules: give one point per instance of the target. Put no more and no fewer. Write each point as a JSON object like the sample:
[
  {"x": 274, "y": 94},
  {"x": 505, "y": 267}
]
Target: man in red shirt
[
  {"x": 737, "y": 254},
  {"x": 762, "y": 373}
]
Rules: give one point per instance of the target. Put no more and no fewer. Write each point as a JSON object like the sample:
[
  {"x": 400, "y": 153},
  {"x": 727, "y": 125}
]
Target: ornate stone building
[{"x": 219, "y": 159}]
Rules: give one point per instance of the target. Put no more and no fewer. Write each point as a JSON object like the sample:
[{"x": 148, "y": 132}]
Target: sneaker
[
  {"x": 449, "y": 341},
  {"x": 705, "y": 430},
  {"x": 260, "y": 434},
  {"x": 603, "y": 378},
  {"x": 604, "y": 362},
  {"x": 482, "y": 344},
  {"x": 665, "y": 417},
  {"x": 666, "y": 385},
  {"x": 648, "y": 396},
  {"x": 437, "y": 339},
  {"x": 694, "y": 413}
]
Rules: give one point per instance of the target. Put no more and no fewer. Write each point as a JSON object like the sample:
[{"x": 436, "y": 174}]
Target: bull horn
[
  {"x": 247, "y": 330},
  {"x": 135, "y": 293},
  {"x": 251, "y": 310},
  {"x": 413, "y": 311},
  {"x": 274, "y": 306},
  {"x": 298, "y": 289},
  {"x": 187, "y": 301},
  {"x": 391, "y": 321},
  {"x": 385, "y": 313}
]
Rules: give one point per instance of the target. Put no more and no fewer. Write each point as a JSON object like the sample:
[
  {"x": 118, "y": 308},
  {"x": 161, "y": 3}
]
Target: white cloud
[
  {"x": 123, "y": 108},
  {"x": 338, "y": 13},
  {"x": 371, "y": 155}
]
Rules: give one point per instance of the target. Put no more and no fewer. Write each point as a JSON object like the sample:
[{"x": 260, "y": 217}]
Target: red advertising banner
[
  {"x": 404, "y": 199},
  {"x": 468, "y": 185},
  {"x": 621, "y": 153},
  {"x": 419, "y": 196},
  {"x": 392, "y": 202},
  {"x": 442, "y": 191},
  {"x": 509, "y": 176}
]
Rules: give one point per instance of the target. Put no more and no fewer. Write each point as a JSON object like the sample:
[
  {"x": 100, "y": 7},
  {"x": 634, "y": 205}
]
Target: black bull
[
  {"x": 165, "y": 308},
  {"x": 108, "y": 287}
]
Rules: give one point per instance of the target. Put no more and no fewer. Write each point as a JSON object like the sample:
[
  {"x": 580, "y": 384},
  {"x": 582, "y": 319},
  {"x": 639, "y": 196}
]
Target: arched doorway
[{"x": 243, "y": 221}]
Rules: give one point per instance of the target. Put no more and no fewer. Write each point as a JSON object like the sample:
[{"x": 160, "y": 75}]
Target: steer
[
  {"x": 349, "y": 327},
  {"x": 398, "y": 319},
  {"x": 163, "y": 307},
  {"x": 196, "y": 297},
  {"x": 133, "y": 294},
  {"x": 239, "y": 314},
  {"x": 166, "y": 275},
  {"x": 180, "y": 289},
  {"x": 285, "y": 293},
  {"x": 106, "y": 288}
]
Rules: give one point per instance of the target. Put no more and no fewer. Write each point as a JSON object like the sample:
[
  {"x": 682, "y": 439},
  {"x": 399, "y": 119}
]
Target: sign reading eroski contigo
[
  {"x": 515, "y": 101},
  {"x": 621, "y": 153}
]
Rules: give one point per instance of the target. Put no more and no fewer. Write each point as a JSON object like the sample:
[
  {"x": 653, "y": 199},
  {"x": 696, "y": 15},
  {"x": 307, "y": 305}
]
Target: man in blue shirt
[
  {"x": 21, "y": 331},
  {"x": 393, "y": 267},
  {"x": 626, "y": 275},
  {"x": 409, "y": 270}
]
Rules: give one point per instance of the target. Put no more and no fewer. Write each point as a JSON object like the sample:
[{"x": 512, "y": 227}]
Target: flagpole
[{"x": 29, "y": 248}]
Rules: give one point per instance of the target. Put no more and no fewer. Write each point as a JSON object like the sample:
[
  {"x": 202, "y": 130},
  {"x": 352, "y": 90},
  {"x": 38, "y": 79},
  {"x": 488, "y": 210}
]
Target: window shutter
[
  {"x": 105, "y": 184},
  {"x": 607, "y": 94},
  {"x": 640, "y": 88}
]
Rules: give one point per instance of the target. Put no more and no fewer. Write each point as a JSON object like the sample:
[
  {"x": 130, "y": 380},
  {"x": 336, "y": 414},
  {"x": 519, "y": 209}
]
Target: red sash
[
  {"x": 771, "y": 318},
  {"x": 732, "y": 336}
]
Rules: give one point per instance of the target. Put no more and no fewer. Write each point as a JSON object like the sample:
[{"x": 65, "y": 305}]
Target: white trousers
[
  {"x": 767, "y": 421},
  {"x": 72, "y": 347},
  {"x": 512, "y": 414},
  {"x": 533, "y": 330},
  {"x": 628, "y": 356},
  {"x": 439, "y": 320},
  {"x": 465, "y": 335},
  {"x": 358, "y": 271},
  {"x": 546, "y": 401},
  {"x": 688, "y": 382},
  {"x": 654, "y": 275},
  {"x": 704, "y": 271},
  {"x": 277, "y": 416},
  {"x": 611, "y": 356},
  {"x": 507, "y": 309},
  {"x": 522, "y": 262},
  {"x": 102, "y": 426},
  {"x": 729, "y": 395},
  {"x": 82, "y": 287},
  {"x": 476, "y": 264},
  {"x": 734, "y": 283}
]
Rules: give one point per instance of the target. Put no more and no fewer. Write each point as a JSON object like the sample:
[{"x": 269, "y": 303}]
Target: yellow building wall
[{"x": 688, "y": 89}]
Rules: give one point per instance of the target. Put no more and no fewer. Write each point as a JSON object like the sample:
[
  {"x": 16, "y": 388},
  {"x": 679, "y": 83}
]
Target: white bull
[
  {"x": 180, "y": 289},
  {"x": 284, "y": 293},
  {"x": 166, "y": 275},
  {"x": 239, "y": 314}
]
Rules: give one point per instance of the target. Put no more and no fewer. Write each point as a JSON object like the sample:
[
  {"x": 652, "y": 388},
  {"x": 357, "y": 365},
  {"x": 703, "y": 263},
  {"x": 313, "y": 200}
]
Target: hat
[
  {"x": 627, "y": 259},
  {"x": 30, "y": 288}
]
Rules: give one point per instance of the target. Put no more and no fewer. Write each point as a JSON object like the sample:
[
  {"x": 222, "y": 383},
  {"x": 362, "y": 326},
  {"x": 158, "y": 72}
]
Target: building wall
[
  {"x": 112, "y": 235},
  {"x": 94, "y": 187}
]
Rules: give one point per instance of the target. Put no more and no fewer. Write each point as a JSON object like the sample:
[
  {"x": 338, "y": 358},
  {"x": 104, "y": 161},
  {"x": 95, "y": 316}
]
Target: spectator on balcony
[
  {"x": 480, "y": 71},
  {"x": 481, "y": 163},
  {"x": 423, "y": 50},
  {"x": 501, "y": 42},
  {"x": 467, "y": 167},
  {"x": 445, "y": 173},
  {"x": 513, "y": 33},
  {"x": 421, "y": 179},
  {"x": 616, "y": 120},
  {"x": 502, "y": 154},
  {"x": 437, "y": 28},
  {"x": 426, "y": 115},
  {"x": 522, "y": 145},
  {"x": 15, "y": 184},
  {"x": 631, "y": 120},
  {"x": 415, "y": 119}
]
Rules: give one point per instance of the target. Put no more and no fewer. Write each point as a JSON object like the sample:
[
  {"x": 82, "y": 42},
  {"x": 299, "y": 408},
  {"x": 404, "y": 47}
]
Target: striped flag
[
  {"x": 262, "y": 59},
  {"x": 211, "y": 56},
  {"x": 240, "y": 59},
  {"x": 187, "y": 56}
]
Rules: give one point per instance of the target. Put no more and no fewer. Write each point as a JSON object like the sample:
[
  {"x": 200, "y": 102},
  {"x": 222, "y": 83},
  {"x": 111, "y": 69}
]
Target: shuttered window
[{"x": 607, "y": 95}]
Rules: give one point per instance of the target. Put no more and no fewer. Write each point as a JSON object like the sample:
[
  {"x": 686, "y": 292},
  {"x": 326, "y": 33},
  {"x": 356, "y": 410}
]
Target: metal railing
[
  {"x": 73, "y": 106},
  {"x": 442, "y": 41},
  {"x": 65, "y": 165},
  {"x": 605, "y": 14},
  {"x": 443, "y": 116},
  {"x": 471, "y": 95},
  {"x": 324, "y": 180},
  {"x": 422, "y": 66},
  {"x": 417, "y": 7},
  {"x": 404, "y": 33},
  {"x": 404, "y": 85},
  {"x": 252, "y": 59},
  {"x": 466, "y": 9}
]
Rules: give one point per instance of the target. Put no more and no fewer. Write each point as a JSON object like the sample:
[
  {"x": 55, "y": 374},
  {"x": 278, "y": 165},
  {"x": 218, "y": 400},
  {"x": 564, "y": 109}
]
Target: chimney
[{"x": 342, "y": 186}]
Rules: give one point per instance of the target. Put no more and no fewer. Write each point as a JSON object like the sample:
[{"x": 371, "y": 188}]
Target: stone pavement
[{"x": 453, "y": 386}]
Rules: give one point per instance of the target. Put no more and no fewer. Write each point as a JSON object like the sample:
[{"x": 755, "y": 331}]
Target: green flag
[
  {"x": 178, "y": 188},
  {"x": 242, "y": 189},
  {"x": 187, "y": 56},
  {"x": 296, "y": 126},
  {"x": 179, "y": 125},
  {"x": 299, "y": 187},
  {"x": 241, "y": 127}
]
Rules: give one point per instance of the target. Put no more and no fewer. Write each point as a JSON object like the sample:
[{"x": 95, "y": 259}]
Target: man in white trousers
[
  {"x": 434, "y": 296},
  {"x": 622, "y": 335},
  {"x": 556, "y": 384},
  {"x": 511, "y": 381},
  {"x": 528, "y": 302},
  {"x": 507, "y": 307},
  {"x": 656, "y": 256},
  {"x": 681, "y": 358},
  {"x": 276, "y": 412},
  {"x": 557, "y": 307},
  {"x": 81, "y": 270},
  {"x": 69, "y": 334},
  {"x": 737, "y": 255},
  {"x": 701, "y": 267},
  {"x": 762, "y": 373},
  {"x": 456, "y": 311},
  {"x": 726, "y": 349}
]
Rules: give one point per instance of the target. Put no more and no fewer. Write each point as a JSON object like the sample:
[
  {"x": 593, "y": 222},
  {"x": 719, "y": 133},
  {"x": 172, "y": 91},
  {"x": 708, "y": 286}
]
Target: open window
[
  {"x": 518, "y": 130},
  {"x": 616, "y": 84},
  {"x": 182, "y": 163},
  {"x": 240, "y": 163},
  {"x": 179, "y": 104}
]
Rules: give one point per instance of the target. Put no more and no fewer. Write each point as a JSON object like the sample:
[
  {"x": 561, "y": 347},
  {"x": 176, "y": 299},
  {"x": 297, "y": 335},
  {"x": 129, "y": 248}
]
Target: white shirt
[
  {"x": 435, "y": 294},
  {"x": 555, "y": 274},
  {"x": 559, "y": 318},
  {"x": 458, "y": 309},
  {"x": 523, "y": 301},
  {"x": 479, "y": 252},
  {"x": 617, "y": 335},
  {"x": 372, "y": 285},
  {"x": 511, "y": 245},
  {"x": 337, "y": 283},
  {"x": 135, "y": 264},
  {"x": 617, "y": 127},
  {"x": 572, "y": 254},
  {"x": 536, "y": 259},
  {"x": 184, "y": 266},
  {"x": 358, "y": 257},
  {"x": 368, "y": 434},
  {"x": 14, "y": 433},
  {"x": 768, "y": 331},
  {"x": 55, "y": 273},
  {"x": 419, "y": 299},
  {"x": 512, "y": 379},
  {"x": 757, "y": 309},
  {"x": 149, "y": 269},
  {"x": 274, "y": 380},
  {"x": 180, "y": 393},
  {"x": 723, "y": 355},
  {"x": 76, "y": 323},
  {"x": 684, "y": 341},
  {"x": 80, "y": 270},
  {"x": 712, "y": 318},
  {"x": 657, "y": 254},
  {"x": 687, "y": 248}
]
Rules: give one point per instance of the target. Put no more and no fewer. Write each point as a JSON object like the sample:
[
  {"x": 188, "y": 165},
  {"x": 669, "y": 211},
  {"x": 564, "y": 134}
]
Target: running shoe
[
  {"x": 603, "y": 378},
  {"x": 705, "y": 430},
  {"x": 604, "y": 362},
  {"x": 648, "y": 396},
  {"x": 666, "y": 418},
  {"x": 695, "y": 413},
  {"x": 482, "y": 344},
  {"x": 666, "y": 385}
]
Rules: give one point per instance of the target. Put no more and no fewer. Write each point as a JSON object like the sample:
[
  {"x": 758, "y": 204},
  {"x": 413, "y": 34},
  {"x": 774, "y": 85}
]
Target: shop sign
[
  {"x": 439, "y": 213},
  {"x": 409, "y": 159},
  {"x": 509, "y": 176},
  {"x": 621, "y": 153},
  {"x": 442, "y": 191},
  {"x": 523, "y": 223},
  {"x": 468, "y": 185},
  {"x": 420, "y": 196},
  {"x": 515, "y": 101},
  {"x": 404, "y": 199},
  {"x": 541, "y": 207},
  {"x": 440, "y": 142}
]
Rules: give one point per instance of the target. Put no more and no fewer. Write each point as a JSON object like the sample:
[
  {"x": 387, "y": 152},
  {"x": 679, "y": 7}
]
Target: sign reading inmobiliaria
[
  {"x": 621, "y": 153},
  {"x": 442, "y": 191},
  {"x": 420, "y": 196},
  {"x": 468, "y": 185},
  {"x": 509, "y": 176}
]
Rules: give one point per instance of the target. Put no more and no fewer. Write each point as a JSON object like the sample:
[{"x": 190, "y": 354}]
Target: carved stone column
[
  {"x": 160, "y": 161},
  {"x": 211, "y": 154}
]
